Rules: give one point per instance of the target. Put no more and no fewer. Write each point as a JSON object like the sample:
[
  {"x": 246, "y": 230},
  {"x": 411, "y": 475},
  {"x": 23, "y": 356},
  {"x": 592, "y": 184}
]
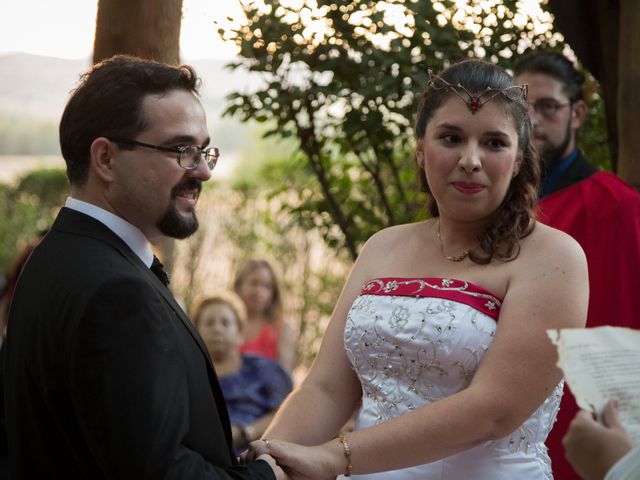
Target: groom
[{"x": 105, "y": 375}]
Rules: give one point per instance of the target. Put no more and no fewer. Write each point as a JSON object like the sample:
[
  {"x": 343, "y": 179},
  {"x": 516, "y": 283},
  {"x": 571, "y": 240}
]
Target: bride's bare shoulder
[
  {"x": 546, "y": 245},
  {"x": 395, "y": 236}
]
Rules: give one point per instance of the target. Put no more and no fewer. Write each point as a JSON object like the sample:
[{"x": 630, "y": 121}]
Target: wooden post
[{"x": 629, "y": 93}]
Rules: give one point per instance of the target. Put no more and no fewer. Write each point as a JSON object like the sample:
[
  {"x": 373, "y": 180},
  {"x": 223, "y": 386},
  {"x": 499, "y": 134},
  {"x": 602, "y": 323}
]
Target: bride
[{"x": 439, "y": 336}]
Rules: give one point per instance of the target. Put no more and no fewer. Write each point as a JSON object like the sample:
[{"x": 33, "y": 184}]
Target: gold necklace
[{"x": 452, "y": 258}]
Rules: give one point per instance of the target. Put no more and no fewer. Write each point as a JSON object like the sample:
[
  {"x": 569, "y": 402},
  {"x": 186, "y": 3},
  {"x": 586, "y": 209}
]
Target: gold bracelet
[{"x": 347, "y": 454}]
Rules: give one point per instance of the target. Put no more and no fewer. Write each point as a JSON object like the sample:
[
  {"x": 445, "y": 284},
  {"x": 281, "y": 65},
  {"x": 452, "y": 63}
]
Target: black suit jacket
[{"x": 105, "y": 375}]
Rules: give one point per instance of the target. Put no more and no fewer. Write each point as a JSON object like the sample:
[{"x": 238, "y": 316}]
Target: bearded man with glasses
[
  {"x": 597, "y": 208},
  {"x": 106, "y": 377}
]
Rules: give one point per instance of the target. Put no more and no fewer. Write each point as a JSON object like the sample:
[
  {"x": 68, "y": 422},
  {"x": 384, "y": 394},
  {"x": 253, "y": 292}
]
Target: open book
[{"x": 601, "y": 364}]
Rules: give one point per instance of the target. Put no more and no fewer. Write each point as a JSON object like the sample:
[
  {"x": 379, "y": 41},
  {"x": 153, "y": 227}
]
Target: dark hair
[
  {"x": 274, "y": 311},
  {"x": 108, "y": 103},
  {"x": 557, "y": 66},
  {"x": 515, "y": 217}
]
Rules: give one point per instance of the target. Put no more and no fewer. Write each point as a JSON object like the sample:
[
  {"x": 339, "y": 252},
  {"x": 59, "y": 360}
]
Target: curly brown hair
[{"x": 514, "y": 218}]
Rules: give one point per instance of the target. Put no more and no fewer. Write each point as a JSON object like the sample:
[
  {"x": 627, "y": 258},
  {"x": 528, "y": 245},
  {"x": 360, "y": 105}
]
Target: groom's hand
[
  {"x": 278, "y": 472},
  {"x": 256, "y": 448}
]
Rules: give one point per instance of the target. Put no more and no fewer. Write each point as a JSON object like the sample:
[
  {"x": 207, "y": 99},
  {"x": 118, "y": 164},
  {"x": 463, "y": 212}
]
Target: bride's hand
[{"x": 322, "y": 462}]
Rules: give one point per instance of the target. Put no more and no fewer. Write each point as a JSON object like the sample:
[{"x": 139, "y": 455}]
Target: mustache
[{"x": 189, "y": 184}]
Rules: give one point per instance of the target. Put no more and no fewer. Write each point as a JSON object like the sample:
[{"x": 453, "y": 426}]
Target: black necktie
[{"x": 156, "y": 268}]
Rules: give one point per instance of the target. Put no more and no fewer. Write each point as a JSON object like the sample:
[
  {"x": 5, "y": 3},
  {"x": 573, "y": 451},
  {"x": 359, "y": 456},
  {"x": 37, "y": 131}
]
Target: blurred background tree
[
  {"x": 28, "y": 207},
  {"x": 343, "y": 79}
]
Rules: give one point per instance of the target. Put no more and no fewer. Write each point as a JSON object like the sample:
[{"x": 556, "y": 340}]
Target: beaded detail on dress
[{"x": 416, "y": 341}]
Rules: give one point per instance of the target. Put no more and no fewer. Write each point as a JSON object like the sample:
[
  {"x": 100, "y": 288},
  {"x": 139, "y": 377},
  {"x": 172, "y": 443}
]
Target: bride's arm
[
  {"x": 549, "y": 290},
  {"x": 328, "y": 396}
]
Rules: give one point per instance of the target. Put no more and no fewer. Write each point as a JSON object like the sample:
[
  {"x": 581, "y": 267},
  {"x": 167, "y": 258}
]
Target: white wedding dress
[{"x": 416, "y": 341}]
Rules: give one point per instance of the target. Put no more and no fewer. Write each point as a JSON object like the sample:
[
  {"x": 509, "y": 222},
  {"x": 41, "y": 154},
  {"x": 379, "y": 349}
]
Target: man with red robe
[{"x": 597, "y": 208}]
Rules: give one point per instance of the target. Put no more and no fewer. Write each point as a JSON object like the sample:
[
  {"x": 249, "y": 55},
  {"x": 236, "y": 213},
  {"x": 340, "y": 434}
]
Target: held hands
[
  {"x": 593, "y": 448},
  {"x": 278, "y": 472},
  {"x": 323, "y": 462}
]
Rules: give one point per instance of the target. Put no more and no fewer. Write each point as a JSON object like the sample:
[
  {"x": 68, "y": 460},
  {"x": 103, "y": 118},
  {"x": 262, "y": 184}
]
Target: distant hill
[
  {"x": 35, "y": 86},
  {"x": 34, "y": 90},
  {"x": 38, "y": 87}
]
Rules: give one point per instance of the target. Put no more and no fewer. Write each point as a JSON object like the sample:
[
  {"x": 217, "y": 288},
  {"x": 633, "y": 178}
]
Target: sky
[{"x": 65, "y": 28}]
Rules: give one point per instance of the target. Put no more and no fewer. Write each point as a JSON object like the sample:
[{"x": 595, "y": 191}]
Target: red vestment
[{"x": 603, "y": 214}]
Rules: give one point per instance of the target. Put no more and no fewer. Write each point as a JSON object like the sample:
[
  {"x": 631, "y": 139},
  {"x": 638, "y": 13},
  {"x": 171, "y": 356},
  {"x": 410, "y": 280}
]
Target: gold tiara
[{"x": 474, "y": 103}]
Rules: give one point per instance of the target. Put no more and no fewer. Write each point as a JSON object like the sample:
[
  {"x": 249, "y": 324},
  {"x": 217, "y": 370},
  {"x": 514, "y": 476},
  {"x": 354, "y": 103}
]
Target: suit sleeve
[{"x": 129, "y": 389}]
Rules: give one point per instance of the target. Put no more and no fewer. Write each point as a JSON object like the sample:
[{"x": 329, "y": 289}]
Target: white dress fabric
[
  {"x": 627, "y": 468},
  {"x": 416, "y": 341}
]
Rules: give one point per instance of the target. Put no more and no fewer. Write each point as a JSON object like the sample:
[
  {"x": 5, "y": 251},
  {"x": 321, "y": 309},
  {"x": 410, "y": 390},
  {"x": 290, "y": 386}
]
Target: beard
[
  {"x": 550, "y": 154},
  {"x": 173, "y": 224}
]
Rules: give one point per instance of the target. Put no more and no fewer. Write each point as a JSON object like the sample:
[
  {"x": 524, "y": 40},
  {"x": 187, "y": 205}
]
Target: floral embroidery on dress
[
  {"x": 399, "y": 317},
  {"x": 457, "y": 290},
  {"x": 390, "y": 286},
  {"x": 412, "y": 345}
]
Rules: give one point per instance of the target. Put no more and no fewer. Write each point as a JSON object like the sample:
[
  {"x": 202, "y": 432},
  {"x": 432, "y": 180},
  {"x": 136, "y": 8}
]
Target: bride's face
[{"x": 469, "y": 159}]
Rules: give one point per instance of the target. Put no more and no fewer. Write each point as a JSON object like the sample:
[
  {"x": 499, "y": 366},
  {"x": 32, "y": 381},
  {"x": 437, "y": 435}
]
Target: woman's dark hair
[
  {"x": 274, "y": 311},
  {"x": 514, "y": 219},
  {"x": 556, "y": 66},
  {"x": 108, "y": 103}
]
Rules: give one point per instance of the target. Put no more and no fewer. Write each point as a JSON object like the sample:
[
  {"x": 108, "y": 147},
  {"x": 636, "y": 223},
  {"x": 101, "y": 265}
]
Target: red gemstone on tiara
[{"x": 473, "y": 105}]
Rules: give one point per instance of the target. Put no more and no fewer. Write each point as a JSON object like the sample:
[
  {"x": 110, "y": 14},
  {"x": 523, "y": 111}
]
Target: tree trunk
[
  {"x": 144, "y": 28},
  {"x": 628, "y": 94}
]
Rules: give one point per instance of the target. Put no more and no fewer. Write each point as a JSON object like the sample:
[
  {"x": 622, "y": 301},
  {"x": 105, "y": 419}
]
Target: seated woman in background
[
  {"x": 266, "y": 333},
  {"x": 253, "y": 386}
]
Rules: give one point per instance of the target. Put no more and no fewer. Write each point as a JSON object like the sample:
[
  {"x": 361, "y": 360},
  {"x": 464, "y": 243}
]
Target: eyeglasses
[
  {"x": 547, "y": 107},
  {"x": 188, "y": 155}
]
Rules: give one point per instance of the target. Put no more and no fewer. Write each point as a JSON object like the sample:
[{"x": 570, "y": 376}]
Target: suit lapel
[{"x": 77, "y": 223}]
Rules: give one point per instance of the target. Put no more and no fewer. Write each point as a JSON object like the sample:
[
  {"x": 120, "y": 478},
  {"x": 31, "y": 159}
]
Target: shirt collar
[{"x": 130, "y": 234}]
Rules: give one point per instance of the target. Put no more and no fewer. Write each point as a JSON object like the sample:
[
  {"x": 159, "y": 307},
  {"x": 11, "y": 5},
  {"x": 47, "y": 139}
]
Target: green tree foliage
[
  {"x": 343, "y": 79},
  {"x": 28, "y": 208},
  {"x": 592, "y": 137}
]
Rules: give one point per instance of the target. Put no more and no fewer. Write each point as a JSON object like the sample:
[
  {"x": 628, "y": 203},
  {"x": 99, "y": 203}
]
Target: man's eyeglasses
[
  {"x": 547, "y": 107},
  {"x": 188, "y": 155}
]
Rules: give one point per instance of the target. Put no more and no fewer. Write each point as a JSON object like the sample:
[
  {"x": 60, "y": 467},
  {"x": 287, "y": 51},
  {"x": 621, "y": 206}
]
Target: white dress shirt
[{"x": 130, "y": 234}]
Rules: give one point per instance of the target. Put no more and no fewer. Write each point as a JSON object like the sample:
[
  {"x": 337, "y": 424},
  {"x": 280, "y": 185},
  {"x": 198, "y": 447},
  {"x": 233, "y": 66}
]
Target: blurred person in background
[
  {"x": 253, "y": 386},
  {"x": 266, "y": 332}
]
